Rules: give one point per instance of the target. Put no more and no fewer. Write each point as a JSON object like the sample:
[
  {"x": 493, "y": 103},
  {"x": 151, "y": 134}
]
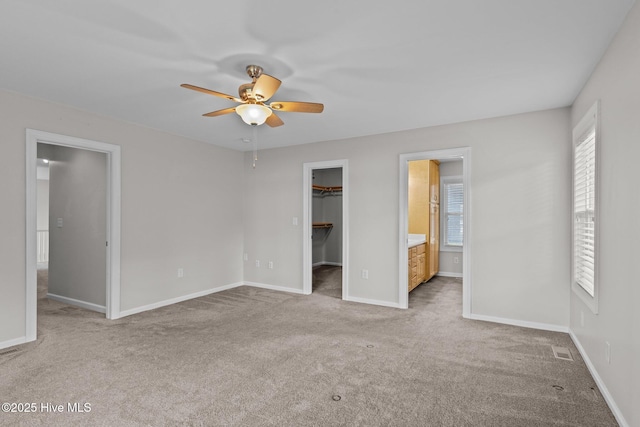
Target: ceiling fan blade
[
  {"x": 274, "y": 121},
  {"x": 265, "y": 87},
  {"x": 210, "y": 92},
  {"x": 220, "y": 112},
  {"x": 297, "y": 107}
]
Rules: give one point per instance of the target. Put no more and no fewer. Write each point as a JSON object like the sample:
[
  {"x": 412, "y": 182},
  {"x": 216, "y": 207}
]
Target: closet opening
[
  {"x": 326, "y": 231},
  {"x": 325, "y": 216}
]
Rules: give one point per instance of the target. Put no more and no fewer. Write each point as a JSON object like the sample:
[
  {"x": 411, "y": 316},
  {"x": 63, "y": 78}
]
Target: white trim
[
  {"x": 373, "y": 302},
  {"x": 33, "y": 137},
  {"x": 78, "y": 303},
  {"x": 13, "y": 342},
  {"x": 321, "y": 263},
  {"x": 31, "y": 236},
  {"x": 448, "y": 274},
  {"x": 176, "y": 300},
  {"x": 452, "y": 249},
  {"x": 521, "y": 323},
  {"x": 307, "y": 200},
  {"x": 603, "y": 388},
  {"x": 455, "y": 153},
  {"x": 274, "y": 287}
]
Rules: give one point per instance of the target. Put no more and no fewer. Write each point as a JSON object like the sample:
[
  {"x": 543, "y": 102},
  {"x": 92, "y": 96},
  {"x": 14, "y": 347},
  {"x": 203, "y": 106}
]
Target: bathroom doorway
[{"x": 443, "y": 156}]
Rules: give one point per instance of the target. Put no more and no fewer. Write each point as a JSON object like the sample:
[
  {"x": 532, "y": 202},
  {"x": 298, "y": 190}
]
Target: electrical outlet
[
  {"x": 271, "y": 265},
  {"x": 365, "y": 274},
  {"x": 246, "y": 257},
  {"x": 180, "y": 272},
  {"x": 456, "y": 260},
  {"x": 295, "y": 220},
  {"x": 257, "y": 263},
  {"x": 607, "y": 351}
]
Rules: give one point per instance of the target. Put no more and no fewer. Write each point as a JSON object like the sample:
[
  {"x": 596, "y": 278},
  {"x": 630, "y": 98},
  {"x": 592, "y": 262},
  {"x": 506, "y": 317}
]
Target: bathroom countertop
[{"x": 415, "y": 240}]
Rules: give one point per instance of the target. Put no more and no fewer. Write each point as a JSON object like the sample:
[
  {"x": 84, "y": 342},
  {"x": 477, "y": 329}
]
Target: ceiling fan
[{"x": 253, "y": 97}]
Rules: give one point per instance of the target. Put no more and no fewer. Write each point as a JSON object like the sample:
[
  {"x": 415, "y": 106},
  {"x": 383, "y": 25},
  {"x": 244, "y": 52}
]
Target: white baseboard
[
  {"x": 603, "y": 388},
  {"x": 78, "y": 303},
  {"x": 175, "y": 300},
  {"x": 321, "y": 263},
  {"x": 447, "y": 274},
  {"x": 11, "y": 343},
  {"x": 522, "y": 323},
  {"x": 274, "y": 287},
  {"x": 373, "y": 302}
]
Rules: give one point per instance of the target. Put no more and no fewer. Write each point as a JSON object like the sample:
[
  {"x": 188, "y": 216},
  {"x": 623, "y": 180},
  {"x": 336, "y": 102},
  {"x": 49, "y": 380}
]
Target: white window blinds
[
  {"x": 584, "y": 210},
  {"x": 454, "y": 197}
]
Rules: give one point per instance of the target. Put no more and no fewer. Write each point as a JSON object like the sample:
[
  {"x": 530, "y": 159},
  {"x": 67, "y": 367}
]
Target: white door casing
[
  {"x": 454, "y": 153},
  {"x": 33, "y": 137}
]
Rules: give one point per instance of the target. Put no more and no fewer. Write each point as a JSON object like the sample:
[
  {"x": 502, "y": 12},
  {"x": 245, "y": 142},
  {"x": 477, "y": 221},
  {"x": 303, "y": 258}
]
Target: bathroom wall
[{"x": 449, "y": 255}]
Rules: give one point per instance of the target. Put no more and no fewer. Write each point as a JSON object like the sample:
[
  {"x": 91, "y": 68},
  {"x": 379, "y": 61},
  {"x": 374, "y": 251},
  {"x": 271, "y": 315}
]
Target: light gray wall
[
  {"x": 327, "y": 243},
  {"x": 615, "y": 83},
  {"x": 43, "y": 204},
  {"x": 78, "y": 196},
  {"x": 520, "y": 244},
  {"x": 451, "y": 168},
  {"x": 181, "y": 207},
  {"x": 448, "y": 264}
]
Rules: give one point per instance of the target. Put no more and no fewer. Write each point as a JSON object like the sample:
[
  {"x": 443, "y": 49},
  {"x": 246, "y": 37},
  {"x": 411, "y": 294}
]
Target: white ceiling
[{"x": 378, "y": 66}]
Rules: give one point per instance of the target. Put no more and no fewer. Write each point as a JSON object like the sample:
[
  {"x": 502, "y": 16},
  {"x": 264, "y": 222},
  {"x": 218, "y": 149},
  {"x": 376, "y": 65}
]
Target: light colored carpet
[
  {"x": 253, "y": 357},
  {"x": 327, "y": 280}
]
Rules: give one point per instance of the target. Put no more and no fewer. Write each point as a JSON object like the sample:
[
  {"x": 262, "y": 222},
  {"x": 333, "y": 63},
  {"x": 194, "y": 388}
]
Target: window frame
[
  {"x": 444, "y": 180},
  {"x": 590, "y": 120}
]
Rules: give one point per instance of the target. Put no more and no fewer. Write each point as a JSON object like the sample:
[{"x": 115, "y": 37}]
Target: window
[
  {"x": 452, "y": 219},
  {"x": 585, "y": 208}
]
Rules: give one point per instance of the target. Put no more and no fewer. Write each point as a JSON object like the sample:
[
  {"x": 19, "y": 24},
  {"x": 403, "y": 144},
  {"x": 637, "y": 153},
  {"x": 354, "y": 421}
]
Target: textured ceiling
[{"x": 377, "y": 66}]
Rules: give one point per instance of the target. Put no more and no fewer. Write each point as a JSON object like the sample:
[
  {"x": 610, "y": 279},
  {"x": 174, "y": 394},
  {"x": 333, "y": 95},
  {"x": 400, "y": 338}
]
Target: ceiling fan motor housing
[{"x": 245, "y": 91}]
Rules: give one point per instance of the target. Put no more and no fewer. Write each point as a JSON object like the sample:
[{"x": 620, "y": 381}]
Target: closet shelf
[
  {"x": 325, "y": 189},
  {"x": 322, "y": 225}
]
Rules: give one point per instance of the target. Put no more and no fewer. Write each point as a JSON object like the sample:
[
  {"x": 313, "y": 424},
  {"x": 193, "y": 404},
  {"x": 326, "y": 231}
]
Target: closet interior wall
[{"x": 327, "y": 209}]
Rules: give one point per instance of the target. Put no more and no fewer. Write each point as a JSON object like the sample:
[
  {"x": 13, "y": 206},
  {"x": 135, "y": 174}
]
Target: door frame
[
  {"x": 464, "y": 154},
  {"x": 307, "y": 223},
  {"x": 33, "y": 137}
]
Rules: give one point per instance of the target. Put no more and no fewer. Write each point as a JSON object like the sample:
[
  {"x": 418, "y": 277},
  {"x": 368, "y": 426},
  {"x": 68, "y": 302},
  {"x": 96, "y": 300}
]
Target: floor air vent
[
  {"x": 4, "y": 353},
  {"x": 562, "y": 353}
]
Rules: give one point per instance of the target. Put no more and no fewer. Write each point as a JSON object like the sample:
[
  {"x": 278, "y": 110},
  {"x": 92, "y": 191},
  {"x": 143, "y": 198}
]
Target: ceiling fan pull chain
[{"x": 255, "y": 145}]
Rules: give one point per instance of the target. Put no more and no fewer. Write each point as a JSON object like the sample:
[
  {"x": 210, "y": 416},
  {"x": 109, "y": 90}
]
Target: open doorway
[
  {"x": 325, "y": 225},
  {"x": 326, "y": 231},
  {"x": 429, "y": 234},
  {"x": 72, "y": 268},
  {"x": 109, "y": 225}
]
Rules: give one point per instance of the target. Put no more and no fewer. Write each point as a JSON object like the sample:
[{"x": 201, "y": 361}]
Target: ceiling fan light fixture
[{"x": 253, "y": 114}]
